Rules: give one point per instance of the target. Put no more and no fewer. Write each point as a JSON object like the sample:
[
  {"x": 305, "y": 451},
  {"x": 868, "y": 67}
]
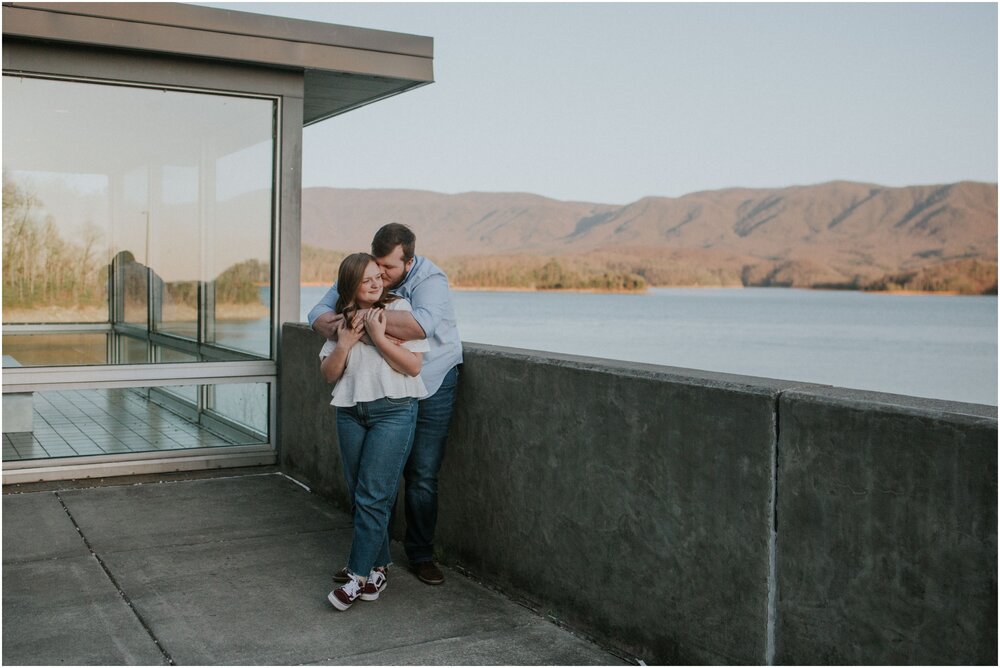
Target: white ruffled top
[{"x": 368, "y": 376}]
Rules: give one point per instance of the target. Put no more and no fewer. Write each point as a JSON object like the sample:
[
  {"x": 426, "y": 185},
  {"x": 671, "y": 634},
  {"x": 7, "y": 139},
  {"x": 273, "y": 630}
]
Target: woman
[{"x": 376, "y": 392}]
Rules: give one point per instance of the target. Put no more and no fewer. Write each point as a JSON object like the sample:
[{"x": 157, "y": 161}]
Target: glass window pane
[
  {"x": 74, "y": 423},
  {"x": 173, "y": 204},
  {"x": 66, "y": 348},
  {"x": 57, "y": 349},
  {"x": 244, "y": 405}
]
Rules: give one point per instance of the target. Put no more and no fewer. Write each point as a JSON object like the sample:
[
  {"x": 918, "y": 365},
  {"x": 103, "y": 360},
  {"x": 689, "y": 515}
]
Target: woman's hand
[
  {"x": 374, "y": 323},
  {"x": 399, "y": 358},
  {"x": 349, "y": 334}
]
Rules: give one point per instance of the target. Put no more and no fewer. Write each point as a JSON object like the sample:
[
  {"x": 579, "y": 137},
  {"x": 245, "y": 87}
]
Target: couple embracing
[{"x": 393, "y": 352}]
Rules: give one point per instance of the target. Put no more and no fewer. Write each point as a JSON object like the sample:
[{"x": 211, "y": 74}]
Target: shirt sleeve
[
  {"x": 430, "y": 303},
  {"x": 325, "y": 305},
  {"x": 416, "y": 345},
  {"x": 327, "y": 349}
]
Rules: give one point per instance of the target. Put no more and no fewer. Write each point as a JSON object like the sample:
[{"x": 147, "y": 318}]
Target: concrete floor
[{"x": 234, "y": 570}]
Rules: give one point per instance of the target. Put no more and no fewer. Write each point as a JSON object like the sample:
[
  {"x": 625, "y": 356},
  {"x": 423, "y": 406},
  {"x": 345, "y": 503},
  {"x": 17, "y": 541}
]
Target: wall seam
[{"x": 772, "y": 539}]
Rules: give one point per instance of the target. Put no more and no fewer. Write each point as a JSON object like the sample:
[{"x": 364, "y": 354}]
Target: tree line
[
  {"x": 42, "y": 268},
  {"x": 39, "y": 266},
  {"x": 622, "y": 271}
]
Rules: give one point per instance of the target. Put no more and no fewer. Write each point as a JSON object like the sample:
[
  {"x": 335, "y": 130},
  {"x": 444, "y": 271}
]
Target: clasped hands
[{"x": 366, "y": 325}]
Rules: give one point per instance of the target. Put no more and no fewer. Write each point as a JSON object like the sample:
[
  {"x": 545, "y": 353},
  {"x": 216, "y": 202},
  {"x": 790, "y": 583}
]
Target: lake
[{"x": 937, "y": 346}]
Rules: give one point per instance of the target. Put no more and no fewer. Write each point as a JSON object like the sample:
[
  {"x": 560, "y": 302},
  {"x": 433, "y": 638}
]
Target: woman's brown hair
[{"x": 349, "y": 277}]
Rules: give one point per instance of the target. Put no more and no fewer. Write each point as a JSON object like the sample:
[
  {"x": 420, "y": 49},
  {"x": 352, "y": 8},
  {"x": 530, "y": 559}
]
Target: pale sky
[{"x": 612, "y": 102}]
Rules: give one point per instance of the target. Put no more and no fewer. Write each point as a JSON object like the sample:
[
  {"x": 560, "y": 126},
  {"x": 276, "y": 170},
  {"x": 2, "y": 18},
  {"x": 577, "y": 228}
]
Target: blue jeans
[
  {"x": 421, "y": 472},
  {"x": 375, "y": 440}
]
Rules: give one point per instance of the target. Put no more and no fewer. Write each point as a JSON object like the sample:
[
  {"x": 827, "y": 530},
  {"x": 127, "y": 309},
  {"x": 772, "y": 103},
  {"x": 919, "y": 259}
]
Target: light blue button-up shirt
[{"x": 426, "y": 288}]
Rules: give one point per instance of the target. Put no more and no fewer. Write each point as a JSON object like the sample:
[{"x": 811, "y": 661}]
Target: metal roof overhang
[{"x": 344, "y": 67}]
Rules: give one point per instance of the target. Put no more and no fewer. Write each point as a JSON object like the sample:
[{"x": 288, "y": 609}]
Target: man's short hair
[{"x": 392, "y": 235}]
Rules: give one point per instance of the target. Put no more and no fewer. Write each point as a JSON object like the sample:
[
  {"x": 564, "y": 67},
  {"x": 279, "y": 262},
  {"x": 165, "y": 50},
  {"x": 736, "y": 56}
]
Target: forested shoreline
[
  {"x": 47, "y": 277},
  {"x": 618, "y": 272}
]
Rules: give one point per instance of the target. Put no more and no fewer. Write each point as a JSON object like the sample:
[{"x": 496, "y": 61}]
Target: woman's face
[{"x": 371, "y": 286}]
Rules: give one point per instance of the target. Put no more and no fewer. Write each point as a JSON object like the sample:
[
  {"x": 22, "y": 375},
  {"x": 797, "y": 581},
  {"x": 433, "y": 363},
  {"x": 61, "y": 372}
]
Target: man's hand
[{"x": 327, "y": 324}]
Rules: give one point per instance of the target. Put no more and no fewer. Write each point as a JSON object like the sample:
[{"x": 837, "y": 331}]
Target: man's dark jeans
[{"x": 421, "y": 472}]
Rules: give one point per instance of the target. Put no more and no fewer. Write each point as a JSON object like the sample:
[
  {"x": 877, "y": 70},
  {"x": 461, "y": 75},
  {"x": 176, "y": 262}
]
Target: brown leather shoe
[{"x": 428, "y": 573}]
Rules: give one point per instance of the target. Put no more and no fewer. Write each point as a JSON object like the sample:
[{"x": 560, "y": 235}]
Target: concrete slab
[
  {"x": 189, "y": 596},
  {"x": 236, "y": 571},
  {"x": 66, "y": 610},
  {"x": 537, "y": 643},
  {"x": 36, "y": 526},
  {"x": 142, "y": 516}
]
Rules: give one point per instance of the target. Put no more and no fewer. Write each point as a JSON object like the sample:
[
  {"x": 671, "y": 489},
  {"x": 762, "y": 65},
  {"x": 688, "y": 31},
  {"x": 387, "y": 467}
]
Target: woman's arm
[
  {"x": 399, "y": 358},
  {"x": 332, "y": 367}
]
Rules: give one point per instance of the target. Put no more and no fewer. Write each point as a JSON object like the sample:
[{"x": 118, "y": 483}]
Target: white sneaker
[
  {"x": 377, "y": 581},
  {"x": 342, "y": 597}
]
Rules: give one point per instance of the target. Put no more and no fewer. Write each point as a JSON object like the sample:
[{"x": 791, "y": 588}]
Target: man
[{"x": 425, "y": 286}]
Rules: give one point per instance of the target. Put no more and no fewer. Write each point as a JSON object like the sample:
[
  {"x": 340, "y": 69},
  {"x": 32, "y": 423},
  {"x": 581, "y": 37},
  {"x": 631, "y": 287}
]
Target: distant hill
[{"x": 840, "y": 234}]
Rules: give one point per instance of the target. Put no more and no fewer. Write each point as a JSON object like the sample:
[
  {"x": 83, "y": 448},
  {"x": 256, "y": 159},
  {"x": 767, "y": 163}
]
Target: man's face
[{"x": 393, "y": 268}]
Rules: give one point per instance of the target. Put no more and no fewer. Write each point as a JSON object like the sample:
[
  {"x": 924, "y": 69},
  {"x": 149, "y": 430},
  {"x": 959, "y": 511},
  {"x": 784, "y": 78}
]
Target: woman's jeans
[{"x": 375, "y": 440}]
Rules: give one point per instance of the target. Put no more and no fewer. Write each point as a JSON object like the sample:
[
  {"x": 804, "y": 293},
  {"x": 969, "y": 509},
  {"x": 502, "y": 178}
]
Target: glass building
[{"x": 151, "y": 217}]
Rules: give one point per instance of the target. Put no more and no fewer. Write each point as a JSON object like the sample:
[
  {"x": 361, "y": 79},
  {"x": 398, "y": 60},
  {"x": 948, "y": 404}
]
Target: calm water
[{"x": 929, "y": 346}]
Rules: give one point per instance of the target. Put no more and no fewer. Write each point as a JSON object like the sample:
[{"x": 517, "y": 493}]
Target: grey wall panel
[
  {"x": 630, "y": 502},
  {"x": 307, "y": 427},
  {"x": 887, "y": 549}
]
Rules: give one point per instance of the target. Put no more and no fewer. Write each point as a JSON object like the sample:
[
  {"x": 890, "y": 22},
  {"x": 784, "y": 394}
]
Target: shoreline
[
  {"x": 470, "y": 288},
  {"x": 466, "y": 288},
  {"x": 92, "y": 313}
]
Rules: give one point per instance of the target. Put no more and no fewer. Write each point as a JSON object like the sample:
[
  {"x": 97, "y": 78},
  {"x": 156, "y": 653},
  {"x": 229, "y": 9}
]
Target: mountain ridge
[{"x": 839, "y": 233}]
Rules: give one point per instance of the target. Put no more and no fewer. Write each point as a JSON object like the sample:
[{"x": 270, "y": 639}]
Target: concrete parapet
[
  {"x": 887, "y": 520},
  {"x": 307, "y": 424},
  {"x": 631, "y": 501},
  {"x": 693, "y": 517}
]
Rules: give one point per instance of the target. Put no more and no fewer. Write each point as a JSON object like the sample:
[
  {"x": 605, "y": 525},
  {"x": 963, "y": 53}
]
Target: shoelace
[{"x": 352, "y": 588}]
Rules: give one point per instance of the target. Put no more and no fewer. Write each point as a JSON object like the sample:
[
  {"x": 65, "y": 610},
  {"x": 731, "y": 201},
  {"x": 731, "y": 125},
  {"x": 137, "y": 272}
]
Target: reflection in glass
[
  {"x": 104, "y": 347},
  {"x": 134, "y": 351},
  {"x": 163, "y": 195},
  {"x": 244, "y": 405},
  {"x": 57, "y": 349},
  {"x": 74, "y": 423},
  {"x": 132, "y": 280}
]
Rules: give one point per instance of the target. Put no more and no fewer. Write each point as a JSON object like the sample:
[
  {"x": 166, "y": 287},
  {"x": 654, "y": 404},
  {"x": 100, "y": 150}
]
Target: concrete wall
[
  {"x": 693, "y": 517},
  {"x": 307, "y": 426},
  {"x": 887, "y": 530}
]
